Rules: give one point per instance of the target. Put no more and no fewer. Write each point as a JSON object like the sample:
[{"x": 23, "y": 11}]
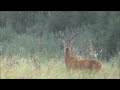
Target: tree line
[{"x": 100, "y": 26}]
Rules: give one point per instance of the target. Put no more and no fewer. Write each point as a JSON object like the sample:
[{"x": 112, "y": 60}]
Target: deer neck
[{"x": 68, "y": 55}]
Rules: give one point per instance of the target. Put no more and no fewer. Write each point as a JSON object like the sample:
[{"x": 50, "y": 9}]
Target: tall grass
[{"x": 53, "y": 69}]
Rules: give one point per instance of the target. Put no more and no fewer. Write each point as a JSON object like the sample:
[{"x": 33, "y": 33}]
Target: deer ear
[
  {"x": 73, "y": 36},
  {"x": 71, "y": 42}
]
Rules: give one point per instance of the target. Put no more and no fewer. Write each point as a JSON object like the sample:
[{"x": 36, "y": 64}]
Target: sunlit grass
[{"x": 52, "y": 69}]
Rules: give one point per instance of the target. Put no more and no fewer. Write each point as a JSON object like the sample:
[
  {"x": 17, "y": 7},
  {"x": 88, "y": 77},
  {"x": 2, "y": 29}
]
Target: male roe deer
[{"x": 73, "y": 62}]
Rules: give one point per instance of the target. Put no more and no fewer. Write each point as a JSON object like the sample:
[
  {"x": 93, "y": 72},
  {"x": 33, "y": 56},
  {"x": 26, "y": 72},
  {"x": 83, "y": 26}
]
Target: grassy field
[
  {"x": 15, "y": 63},
  {"x": 21, "y": 68}
]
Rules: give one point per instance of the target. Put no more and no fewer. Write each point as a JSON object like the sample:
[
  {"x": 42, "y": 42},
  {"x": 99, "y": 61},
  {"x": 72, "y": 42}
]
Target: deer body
[{"x": 73, "y": 62}]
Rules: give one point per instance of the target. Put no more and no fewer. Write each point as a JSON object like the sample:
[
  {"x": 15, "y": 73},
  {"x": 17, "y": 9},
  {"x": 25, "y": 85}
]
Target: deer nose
[{"x": 67, "y": 49}]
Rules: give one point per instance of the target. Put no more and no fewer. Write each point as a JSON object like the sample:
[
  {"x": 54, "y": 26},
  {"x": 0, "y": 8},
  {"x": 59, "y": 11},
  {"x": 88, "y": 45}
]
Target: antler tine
[
  {"x": 74, "y": 35},
  {"x": 62, "y": 35}
]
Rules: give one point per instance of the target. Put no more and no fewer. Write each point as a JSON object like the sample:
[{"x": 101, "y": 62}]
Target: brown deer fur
[{"x": 73, "y": 62}]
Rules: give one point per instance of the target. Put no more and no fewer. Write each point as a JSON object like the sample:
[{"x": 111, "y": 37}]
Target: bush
[{"x": 7, "y": 34}]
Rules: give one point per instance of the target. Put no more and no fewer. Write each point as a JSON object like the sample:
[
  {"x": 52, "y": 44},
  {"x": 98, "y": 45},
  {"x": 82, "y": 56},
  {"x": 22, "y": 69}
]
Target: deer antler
[
  {"x": 62, "y": 36},
  {"x": 74, "y": 35}
]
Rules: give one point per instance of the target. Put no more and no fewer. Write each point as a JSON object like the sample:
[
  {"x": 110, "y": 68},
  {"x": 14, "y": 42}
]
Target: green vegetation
[{"x": 31, "y": 47}]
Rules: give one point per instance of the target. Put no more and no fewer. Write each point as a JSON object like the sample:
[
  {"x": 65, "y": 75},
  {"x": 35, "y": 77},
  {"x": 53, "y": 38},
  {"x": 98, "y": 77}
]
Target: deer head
[{"x": 68, "y": 43}]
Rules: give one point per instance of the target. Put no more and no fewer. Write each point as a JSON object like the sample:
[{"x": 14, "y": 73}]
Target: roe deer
[{"x": 73, "y": 62}]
